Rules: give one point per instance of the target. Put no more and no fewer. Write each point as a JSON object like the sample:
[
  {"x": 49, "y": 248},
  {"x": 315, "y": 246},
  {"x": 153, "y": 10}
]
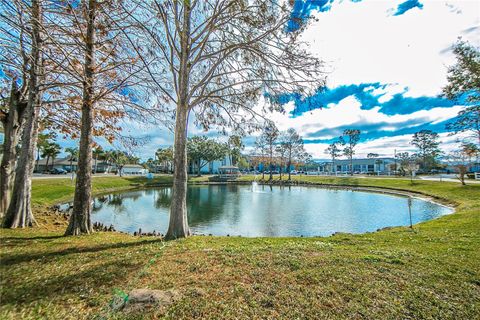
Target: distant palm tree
[
  {"x": 43, "y": 140},
  {"x": 73, "y": 155},
  {"x": 51, "y": 150},
  {"x": 97, "y": 153}
]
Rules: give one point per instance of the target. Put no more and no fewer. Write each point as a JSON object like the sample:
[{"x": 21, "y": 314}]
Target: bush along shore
[{"x": 429, "y": 272}]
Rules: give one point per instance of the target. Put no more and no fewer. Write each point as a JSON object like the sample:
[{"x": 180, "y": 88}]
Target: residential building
[
  {"x": 60, "y": 163},
  {"x": 64, "y": 163},
  {"x": 133, "y": 169},
  {"x": 210, "y": 168},
  {"x": 365, "y": 165}
]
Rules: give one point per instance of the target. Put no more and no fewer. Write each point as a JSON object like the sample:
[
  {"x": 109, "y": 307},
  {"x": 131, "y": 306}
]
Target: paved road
[
  {"x": 68, "y": 175},
  {"x": 447, "y": 177}
]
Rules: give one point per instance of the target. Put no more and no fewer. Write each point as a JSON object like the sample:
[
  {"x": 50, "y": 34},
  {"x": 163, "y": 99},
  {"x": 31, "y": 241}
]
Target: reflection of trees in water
[
  {"x": 163, "y": 197},
  {"x": 205, "y": 204},
  {"x": 270, "y": 208},
  {"x": 116, "y": 200},
  {"x": 98, "y": 203}
]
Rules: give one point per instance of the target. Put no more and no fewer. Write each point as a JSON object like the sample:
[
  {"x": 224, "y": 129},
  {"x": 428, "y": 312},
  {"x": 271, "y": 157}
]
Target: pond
[{"x": 264, "y": 211}]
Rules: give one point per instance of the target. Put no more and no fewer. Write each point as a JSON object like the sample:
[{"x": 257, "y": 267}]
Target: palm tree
[
  {"x": 43, "y": 141},
  {"x": 97, "y": 153},
  {"x": 51, "y": 150},
  {"x": 73, "y": 155}
]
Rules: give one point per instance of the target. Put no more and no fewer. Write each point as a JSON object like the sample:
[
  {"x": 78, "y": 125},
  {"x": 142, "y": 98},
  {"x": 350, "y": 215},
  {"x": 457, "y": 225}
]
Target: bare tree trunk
[
  {"x": 462, "y": 171},
  {"x": 19, "y": 213},
  {"x": 351, "y": 165},
  {"x": 12, "y": 124},
  {"x": 270, "y": 165},
  {"x": 46, "y": 163},
  {"x": 178, "y": 226},
  {"x": 80, "y": 222}
]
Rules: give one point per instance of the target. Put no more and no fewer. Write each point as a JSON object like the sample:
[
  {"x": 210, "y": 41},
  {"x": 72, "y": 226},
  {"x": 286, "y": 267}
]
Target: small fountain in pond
[{"x": 254, "y": 186}]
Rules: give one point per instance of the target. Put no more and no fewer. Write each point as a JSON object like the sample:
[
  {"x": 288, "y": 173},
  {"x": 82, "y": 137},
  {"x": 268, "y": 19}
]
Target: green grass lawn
[{"x": 431, "y": 272}]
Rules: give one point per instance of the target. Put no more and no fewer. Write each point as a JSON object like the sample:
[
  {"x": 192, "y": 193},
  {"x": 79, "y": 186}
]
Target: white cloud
[{"x": 363, "y": 43}]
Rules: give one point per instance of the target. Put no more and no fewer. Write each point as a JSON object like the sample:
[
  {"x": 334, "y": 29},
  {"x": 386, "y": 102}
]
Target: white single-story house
[{"x": 133, "y": 169}]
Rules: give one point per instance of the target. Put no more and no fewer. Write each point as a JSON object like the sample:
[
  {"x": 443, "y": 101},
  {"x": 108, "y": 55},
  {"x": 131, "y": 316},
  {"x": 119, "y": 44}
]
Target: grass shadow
[{"x": 9, "y": 259}]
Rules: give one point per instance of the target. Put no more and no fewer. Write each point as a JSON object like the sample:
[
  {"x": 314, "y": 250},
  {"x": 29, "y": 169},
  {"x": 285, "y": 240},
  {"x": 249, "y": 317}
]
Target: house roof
[
  {"x": 133, "y": 166},
  {"x": 59, "y": 161}
]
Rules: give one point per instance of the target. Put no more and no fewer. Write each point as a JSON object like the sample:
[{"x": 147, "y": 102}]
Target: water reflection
[{"x": 263, "y": 210}]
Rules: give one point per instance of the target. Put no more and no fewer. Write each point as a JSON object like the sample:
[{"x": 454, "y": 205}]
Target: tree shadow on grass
[
  {"x": 85, "y": 282},
  {"x": 12, "y": 259},
  {"x": 31, "y": 238}
]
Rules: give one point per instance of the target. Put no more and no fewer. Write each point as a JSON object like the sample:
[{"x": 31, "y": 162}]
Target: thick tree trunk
[
  {"x": 19, "y": 212},
  {"x": 80, "y": 222},
  {"x": 12, "y": 124},
  {"x": 178, "y": 226}
]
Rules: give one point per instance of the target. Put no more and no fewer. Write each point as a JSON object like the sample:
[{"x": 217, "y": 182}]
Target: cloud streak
[
  {"x": 406, "y": 6},
  {"x": 369, "y": 95}
]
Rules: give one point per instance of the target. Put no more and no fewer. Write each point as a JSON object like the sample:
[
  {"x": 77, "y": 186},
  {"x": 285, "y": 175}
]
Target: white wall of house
[{"x": 134, "y": 170}]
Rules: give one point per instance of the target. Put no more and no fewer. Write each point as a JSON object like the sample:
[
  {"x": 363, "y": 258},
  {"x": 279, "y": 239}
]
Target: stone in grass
[{"x": 142, "y": 299}]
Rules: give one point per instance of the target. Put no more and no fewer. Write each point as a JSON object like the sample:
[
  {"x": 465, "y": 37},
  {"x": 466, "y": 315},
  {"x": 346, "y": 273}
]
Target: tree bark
[
  {"x": 80, "y": 222},
  {"x": 178, "y": 225},
  {"x": 19, "y": 213},
  {"x": 12, "y": 124}
]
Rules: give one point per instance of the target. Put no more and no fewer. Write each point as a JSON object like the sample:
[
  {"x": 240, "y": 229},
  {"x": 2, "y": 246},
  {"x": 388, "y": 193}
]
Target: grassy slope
[{"x": 431, "y": 272}]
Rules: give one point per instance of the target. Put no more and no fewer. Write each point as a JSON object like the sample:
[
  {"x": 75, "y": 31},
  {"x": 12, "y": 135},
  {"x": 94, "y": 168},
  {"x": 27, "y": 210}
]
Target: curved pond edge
[
  {"x": 450, "y": 204},
  {"x": 382, "y": 190}
]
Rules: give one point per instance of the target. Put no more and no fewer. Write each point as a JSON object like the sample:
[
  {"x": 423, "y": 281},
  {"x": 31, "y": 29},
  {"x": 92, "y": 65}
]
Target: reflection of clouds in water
[{"x": 273, "y": 211}]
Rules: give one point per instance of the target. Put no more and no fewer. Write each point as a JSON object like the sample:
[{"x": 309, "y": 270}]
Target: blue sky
[{"x": 386, "y": 64}]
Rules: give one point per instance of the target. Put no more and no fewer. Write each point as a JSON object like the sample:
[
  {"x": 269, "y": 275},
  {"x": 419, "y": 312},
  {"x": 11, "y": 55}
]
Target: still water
[{"x": 261, "y": 211}]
